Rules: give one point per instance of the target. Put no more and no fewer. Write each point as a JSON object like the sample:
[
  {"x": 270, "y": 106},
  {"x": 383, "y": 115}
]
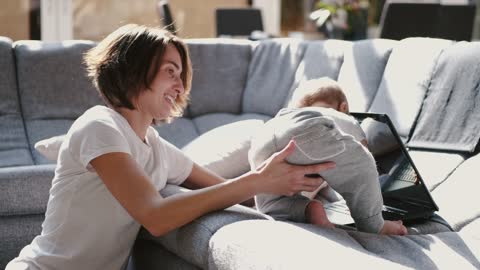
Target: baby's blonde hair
[{"x": 322, "y": 89}]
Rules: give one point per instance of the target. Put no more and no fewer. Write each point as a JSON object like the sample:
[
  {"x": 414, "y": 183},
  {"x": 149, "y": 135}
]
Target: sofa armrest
[
  {"x": 191, "y": 241},
  {"x": 281, "y": 245},
  {"x": 25, "y": 189}
]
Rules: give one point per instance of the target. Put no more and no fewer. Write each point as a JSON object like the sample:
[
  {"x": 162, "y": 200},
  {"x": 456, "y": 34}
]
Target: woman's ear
[{"x": 343, "y": 107}]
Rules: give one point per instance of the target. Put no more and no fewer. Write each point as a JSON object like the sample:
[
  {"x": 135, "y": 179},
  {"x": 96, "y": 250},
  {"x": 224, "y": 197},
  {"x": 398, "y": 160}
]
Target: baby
[{"x": 317, "y": 119}]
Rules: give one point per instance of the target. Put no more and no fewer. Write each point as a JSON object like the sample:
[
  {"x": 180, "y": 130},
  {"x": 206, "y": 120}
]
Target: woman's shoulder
[
  {"x": 98, "y": 115},
  {"x": 96, "y": 120},
  {"x": 154, "y": 137}
]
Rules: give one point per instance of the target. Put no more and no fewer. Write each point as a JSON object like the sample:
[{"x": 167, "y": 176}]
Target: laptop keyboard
[{"x": 405, "y": 173}]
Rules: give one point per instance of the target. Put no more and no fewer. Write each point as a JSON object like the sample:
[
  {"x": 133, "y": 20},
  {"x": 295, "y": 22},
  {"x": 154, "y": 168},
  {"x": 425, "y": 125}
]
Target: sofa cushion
[
  {"x": 25, "y": 189},
  {"x": 321, "y": 59},
  {"x": 457, "y": 197},
  {"x": 362, "y": 71},
  {"x": 405, "y": 80},
  {"x": 179, "y": 132},
  {"x": 184, "y": 130},
  {"x": 472, "y": 229},
  {"x": 14, "y": 148},
  {"x": 471, "y": 239},
  {"x": 219, "y": 73},
  {"x": 50, "y": 105},
  {"x": 271, "y": 75},
  {"x": 38, "y": 132},
  {"x": 280, "y": 245},
  {"x": 210, "y": 121},
  {"x": 49, "y": 148},
  {"x": 224, "y": 150},
  {"x": 435, "y": 167},
  {"x": 180, "y": 241}
]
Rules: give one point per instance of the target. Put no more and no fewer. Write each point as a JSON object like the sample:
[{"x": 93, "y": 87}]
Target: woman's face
[{"x": 159, "y": 101}]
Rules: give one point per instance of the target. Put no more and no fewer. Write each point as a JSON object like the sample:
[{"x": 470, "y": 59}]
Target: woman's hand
[{"x": 279, "y": 177}]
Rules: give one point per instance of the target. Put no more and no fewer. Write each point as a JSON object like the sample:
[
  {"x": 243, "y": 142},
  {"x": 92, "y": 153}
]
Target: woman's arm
[
  {"x": 132, "y": 188},
  {"x": 201, "y": 178}
]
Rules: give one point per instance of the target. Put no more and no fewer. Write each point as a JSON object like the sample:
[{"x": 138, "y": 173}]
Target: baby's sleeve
[
  {"x": 348, "y": 124},
  {"x": 357, "y": 132},
  {"x": 94, "y": 139}
]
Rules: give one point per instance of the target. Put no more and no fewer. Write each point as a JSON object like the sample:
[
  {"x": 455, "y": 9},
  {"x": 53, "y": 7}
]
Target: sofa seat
[
  {"x": 435, "y": 167},
  {"x": 457, "y": 197}
]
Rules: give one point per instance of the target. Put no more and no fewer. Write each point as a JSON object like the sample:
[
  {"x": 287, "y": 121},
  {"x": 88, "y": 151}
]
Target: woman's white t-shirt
[{"x": 85, "y": 227}]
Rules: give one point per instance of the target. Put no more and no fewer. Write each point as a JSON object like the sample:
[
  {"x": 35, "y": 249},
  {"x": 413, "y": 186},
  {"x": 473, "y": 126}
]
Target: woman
[{"x": 112, "y": 162}]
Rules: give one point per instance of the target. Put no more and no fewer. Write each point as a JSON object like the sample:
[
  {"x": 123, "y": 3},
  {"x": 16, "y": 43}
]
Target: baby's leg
[
  {"x": 356, "y": 179},
  {"x": 355, "y": 176},
  {"x": 315, "y": 214}
]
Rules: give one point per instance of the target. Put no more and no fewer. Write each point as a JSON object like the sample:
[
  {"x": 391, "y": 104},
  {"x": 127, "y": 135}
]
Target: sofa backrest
[
  {"x": 362, "y": 71},
  {"x": 14, "y": 148},
  {"x": 46, "y": 84},
  {"x": 320, "y": 58},
  {"x": 271, "y": 74},
  {"x": 53, "y": 87},
  {"x": 220, "y": 71},
  {"x": 405, "y": 80}
]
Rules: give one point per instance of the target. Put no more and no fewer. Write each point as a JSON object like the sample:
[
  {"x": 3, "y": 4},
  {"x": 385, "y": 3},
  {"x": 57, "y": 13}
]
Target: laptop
[{"x": 405, "y": 195}]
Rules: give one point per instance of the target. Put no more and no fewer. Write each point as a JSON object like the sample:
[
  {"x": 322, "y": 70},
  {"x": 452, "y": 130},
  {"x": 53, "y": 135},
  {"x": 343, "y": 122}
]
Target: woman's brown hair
[{"x": 125, "y": 63}]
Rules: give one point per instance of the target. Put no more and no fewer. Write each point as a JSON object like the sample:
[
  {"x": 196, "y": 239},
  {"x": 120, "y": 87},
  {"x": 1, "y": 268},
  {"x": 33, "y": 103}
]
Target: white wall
[
  {"x": 56, "y": 20},
  {"x": 270, "y": 14}
]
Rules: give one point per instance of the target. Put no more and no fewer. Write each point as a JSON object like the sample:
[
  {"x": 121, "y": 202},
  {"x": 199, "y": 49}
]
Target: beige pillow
[
  {"x": 49, "y": 147},
  {"x": 224, "y": 150}
]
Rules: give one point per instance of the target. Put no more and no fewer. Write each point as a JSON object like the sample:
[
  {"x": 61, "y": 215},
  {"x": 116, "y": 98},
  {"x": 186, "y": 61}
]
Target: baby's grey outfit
[{"x": 319, "y": 137}]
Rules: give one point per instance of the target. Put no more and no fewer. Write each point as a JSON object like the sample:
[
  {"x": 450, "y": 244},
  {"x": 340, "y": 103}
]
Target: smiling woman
[
  {"x": 112, "y": 162},
  {"x": 121, "y": 77}
]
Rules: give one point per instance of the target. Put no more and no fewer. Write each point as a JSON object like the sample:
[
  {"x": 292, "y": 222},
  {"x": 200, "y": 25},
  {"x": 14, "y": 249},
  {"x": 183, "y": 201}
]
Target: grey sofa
[{"x": 240, "y": 84}]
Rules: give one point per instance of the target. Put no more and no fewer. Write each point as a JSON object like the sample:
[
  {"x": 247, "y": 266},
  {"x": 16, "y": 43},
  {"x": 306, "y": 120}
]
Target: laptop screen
[{"x": 401, "y": 184}]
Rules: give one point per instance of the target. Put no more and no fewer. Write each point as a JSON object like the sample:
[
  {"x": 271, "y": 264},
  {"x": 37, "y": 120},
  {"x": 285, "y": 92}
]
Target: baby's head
[{"x": 322, "y": 92}]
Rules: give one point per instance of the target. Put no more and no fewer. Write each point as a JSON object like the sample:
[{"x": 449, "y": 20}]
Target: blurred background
[{"x": 255, "y": 19}]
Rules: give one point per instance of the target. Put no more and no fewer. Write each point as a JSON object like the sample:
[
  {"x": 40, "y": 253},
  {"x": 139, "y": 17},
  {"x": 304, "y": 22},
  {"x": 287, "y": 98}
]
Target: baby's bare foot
[
  {"x": 315, "y": 214},
  {"x": 394, "y": 228},
  {"x": 325, "y": 223}
]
